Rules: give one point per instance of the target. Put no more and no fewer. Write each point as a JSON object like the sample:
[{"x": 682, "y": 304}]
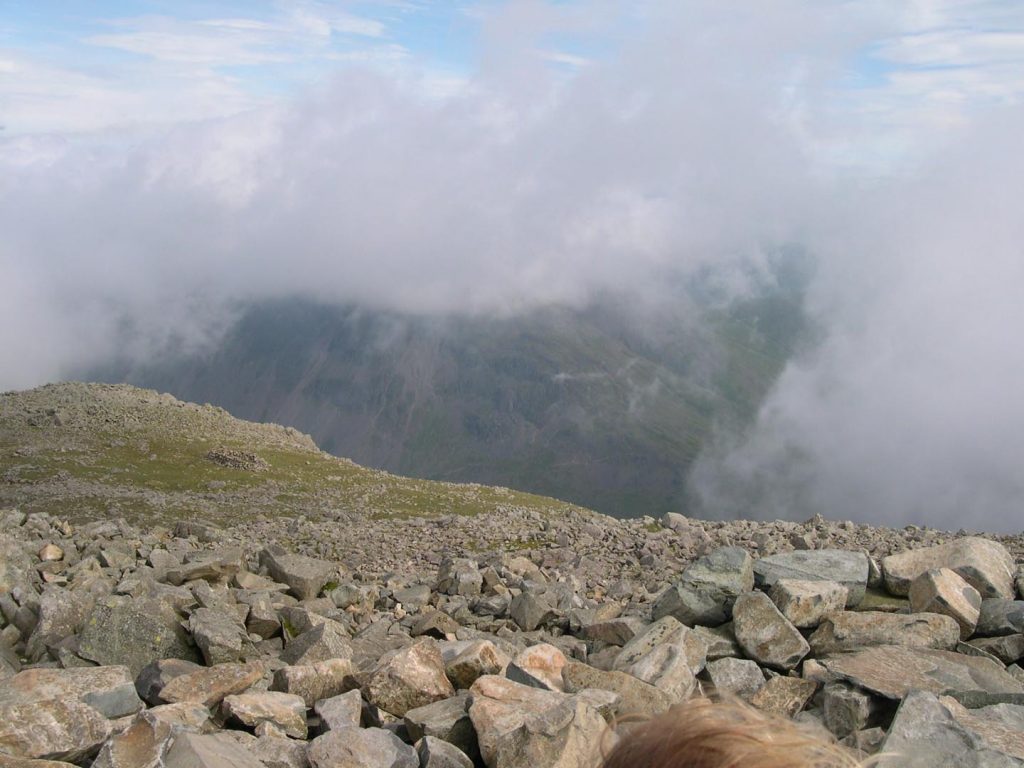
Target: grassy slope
[{"x": 84, "y": 451}]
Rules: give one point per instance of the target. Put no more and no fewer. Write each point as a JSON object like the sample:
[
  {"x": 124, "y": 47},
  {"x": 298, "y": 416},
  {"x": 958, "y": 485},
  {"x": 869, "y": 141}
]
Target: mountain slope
[
  {"x": 86, "y": 451},
  {"x": 593, "y": 406}
]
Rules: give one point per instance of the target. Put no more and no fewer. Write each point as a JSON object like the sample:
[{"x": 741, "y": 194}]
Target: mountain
[
  {"x": 99, "y": 451},
  {"x": 605, "y": 406}
]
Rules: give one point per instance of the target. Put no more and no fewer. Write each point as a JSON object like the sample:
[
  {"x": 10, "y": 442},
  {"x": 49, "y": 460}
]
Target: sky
[{"x": 164, "y": 163}]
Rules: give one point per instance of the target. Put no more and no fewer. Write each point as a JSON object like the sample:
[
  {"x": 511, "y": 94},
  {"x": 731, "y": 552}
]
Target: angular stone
[
  {"x": 480, "y": 657},
  {"x": 190, "y": 716},
  {"x": 209, "y": 566},
  {"x": 944, "y": 591},
  {"x": 667, "y": 669},
  {"x": 847, "y": 568},
  {"x": 220, "y": 636},
  {"x": 665, "y": 631},
  {"x": 447, "y": 720},
  {"x": 361, "y": 748},
  {"x": 522, "y": 727},
  {"x": 539, "y": 665},
  {"x": 285, "y": 710},
  {"x": 321, "y": 643},
  {"x": 305, "y": 576},
  {"x": 263, "y": 619},
  {"x": 719, "y": 641},
  {"x": 108, "y": 690},
  {"x": 459, "y": 576},
  {"x": 985, "y": 565},
  {"x": 893, "y": 671},
  {"x": 194, "y": 750},
  {"x": 51, "y": 729},
  {"x": 1000, "y": 617},
  {"x": 617, "y": 631},
  {"x": 408, "y": 678},
  {"x": 435, "y": 753},
  {"x": 154, "y": 676},
  {"x": 737, "y": 677},
  {"x": 846, "y": 709},
  {"x": 784, "y": 696},
  {"x": 806, "y": 603},
  {"x": 635, "y": 696},
  {"x": 134, "y": 633},
  {"x": 209, "y": 685},
  {"x": 61, "y": 613},
  {"x": 926, "y": 733},
  {"x": 765, "y": 635},
  {"x": 531, "y": 610},
  {"x": 313, "y": 682},
  {"x": 708, "y": 588},
  {"x": 342, "y": 711},
  {"x": 436, "y": 624},
  {"x": 851, "y": 630},
  {"x": 1007, "y": 649},
  {"x": 143, "y": 743}
]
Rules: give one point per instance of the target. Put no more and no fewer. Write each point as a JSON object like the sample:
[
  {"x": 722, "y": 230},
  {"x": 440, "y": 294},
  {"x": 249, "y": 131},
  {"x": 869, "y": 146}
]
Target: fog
[{"x": 699, "y": 139}]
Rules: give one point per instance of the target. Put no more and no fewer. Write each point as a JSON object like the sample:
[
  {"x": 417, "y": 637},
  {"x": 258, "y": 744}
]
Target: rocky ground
[{"x": 519, "y": 635}]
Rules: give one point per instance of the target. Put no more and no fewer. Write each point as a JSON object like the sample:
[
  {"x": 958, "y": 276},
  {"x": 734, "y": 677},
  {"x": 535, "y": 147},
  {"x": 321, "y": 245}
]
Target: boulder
[
  {"x": 665, "y": 631},
  {"x": 846, "y": 709},
  {"x": 447, "y": 720},
  {"x": 892, "y": 671},
  {"x": 805, "y": 603},
  {"x": 784, "y": 696},
  {"x": 134, "y": 633},
  {"x": 635, "y": 696},
  {"x": 985, "y": 565},
  {"x": 195, "y": 750},
  {"x": 143, "y": 743},
  {"x": 1000, "y": 617},
  {"x": 284, "y": 710},
  {"x": 408, "y": 678},
  {"x": 361, "y": 748},
  {"x": 459, "y": 576},
  {"x": 941, "y": 590},
  {"x": 850, "y": 630},
  {"x": 847, "y": 568},
  {"x": 480, "y": 657},
  {"x": 667, "y": 668},
  {"x": 342, "y": 711},
  {"x": 220, "y": 636},
  {"x": 531, "y": 610},
  {"x": 539, "y": 665},
  {"x": 321, "y": 643},
  {"x": 209, "y": 685},
  {"x": 154, "y": 676},
  {"x": 435, "y": 753},
  {"x": 305, "y": 576},
  {"x": 617, "y": 631},
  {"x": 313, "y": 682},
  {"x": 108, "y": 690},
  {"x": 765, "y": 635},
  {"x": 708, "y": 588},
  {"x": 522, "y": 727},
  {"x": 52, "y": 729},
  {"x": 735, "y": 677},
  {"x": 1008, "y": 649}
]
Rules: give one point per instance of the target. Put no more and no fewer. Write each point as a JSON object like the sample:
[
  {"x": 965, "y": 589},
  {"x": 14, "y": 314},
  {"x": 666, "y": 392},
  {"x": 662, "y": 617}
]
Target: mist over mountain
[{"x": 600, "y": 406}]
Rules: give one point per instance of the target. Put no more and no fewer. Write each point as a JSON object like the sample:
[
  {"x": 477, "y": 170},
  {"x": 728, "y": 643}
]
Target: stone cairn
[{"x": 122, "y": 649}]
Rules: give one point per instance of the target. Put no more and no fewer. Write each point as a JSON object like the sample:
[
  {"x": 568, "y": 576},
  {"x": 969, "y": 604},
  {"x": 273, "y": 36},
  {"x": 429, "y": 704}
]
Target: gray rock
[
  {"x": 617, "y": 631},
  {"x": 305, "y": 576},
  {"x": 737, "y": 677},
  {"x": 478, "y": 658},
  {"x": 531, "y": 610},
  {"x": 784, "y": 696},
  {"x": 925, "y": 733},
  {"x": 1007, "y": 648},
  {"x": 846, "y": 709},
  {"x": 194, "y": 750},
  {"x": 665, "y": 631},
  {"x": 1000, "y": 617},
  {"x": 108, "y": 690},
  {"x": 342, "y": 711},
  {"x": 51, "y": 729},
  {"x": 435, "y": 753},
  {"x": 154, "y": 676},
  {"x": 134, "y": 633},
  {"x": 447, "y": 720},
  {"x": 361, "y": 748},
  {"x": 944, "y": 591},
  {"x": 708, "y": 588},
  {"x": 849, "y": 630},
  {"x": 539, "y": 665},
  {"x": 985, "y": 565},
  {"x": 409, "y": 678},
  {"x": 313, "y": 682},
  {"x": 893, "y": 671},
  {"x": 635, "y": 696},
  {"x": 322, "y": 643},
  {"x": 847, "y": 568},
  {"x": 666, "y": 668},
  {"x": 61, "y": 613},
  {"x": 765, "y": 635},
  {"x": 284, "y": 710},
  {"x": 806, "y": 603},
  {"x": 209, "y": 685},
  {"x": 210, "y": 566},
  {"x": 459, "y": 576},
  {"x": 220, "y": 636}
]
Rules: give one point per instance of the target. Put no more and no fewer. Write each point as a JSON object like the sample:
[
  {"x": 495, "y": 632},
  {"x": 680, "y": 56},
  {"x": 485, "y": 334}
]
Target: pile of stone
[{"x": 122, "y": 649}]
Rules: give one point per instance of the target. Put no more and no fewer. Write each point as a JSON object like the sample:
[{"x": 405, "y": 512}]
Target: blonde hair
[{"x": 706, "y": 734}]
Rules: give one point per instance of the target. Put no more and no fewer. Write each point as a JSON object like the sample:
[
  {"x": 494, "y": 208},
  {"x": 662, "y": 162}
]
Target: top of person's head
[{"x": 705, "y": 734}]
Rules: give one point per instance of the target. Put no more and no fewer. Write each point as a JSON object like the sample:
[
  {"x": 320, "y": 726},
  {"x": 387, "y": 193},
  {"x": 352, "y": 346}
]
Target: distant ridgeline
[{"x": 605, "y": 407}]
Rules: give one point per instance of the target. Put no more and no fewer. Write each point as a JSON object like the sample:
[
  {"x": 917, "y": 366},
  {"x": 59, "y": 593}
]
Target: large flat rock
[
  {"x": 985, "y": 565},
  {"x": 894, "y": 671},
  {"x": 848, "y": 568}
]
